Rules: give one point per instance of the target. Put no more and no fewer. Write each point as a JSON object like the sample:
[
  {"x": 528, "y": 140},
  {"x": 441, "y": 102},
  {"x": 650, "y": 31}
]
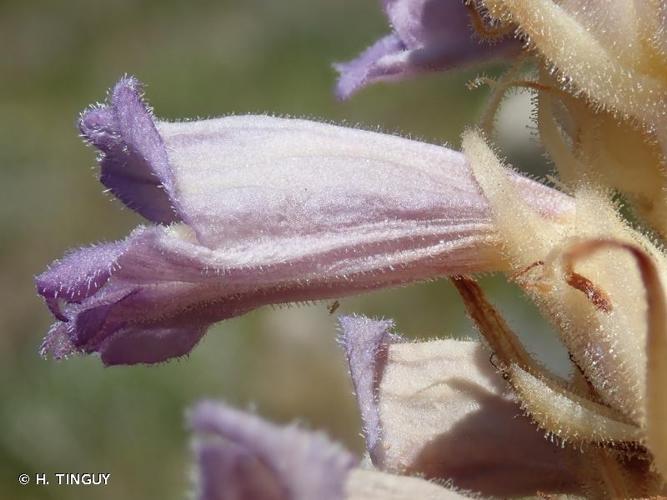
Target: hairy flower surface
[
  {"x": 255, "y": 210},
  {"x": 612, "y": 51},
  {"x": 602, "y": 104},
  {"x": 428, "y": 35},
  {"x": 241, "y": 457},
  {"x": 440, "y": 410},
  {"x": 598, "y": 71}
]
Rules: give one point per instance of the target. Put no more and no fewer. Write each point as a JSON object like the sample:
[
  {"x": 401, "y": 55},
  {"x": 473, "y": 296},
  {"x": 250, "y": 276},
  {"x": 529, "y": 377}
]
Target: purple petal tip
[
  {"x": 134, "y": 161},
  {"x": 366, "y": 342},
  {"x": 427, "y": 36},
  {"x": 78, "y": 275}
]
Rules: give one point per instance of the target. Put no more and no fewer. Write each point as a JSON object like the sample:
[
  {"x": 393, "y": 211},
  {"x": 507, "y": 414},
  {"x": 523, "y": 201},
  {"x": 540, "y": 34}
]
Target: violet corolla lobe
[{"x": 427, "y": 35}]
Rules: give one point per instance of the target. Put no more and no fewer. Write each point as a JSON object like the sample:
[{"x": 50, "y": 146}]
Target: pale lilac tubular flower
[
  {"x": 440, "y": 410},
  {"x": 435, "y": 413},
  {"x": 254, "y": 210},
  {"x": 240, "y": 456},
  {"x": 428, "y": 35}
]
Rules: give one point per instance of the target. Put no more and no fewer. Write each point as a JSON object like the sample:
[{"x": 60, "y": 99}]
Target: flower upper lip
[{"x": 134, "y": 163}]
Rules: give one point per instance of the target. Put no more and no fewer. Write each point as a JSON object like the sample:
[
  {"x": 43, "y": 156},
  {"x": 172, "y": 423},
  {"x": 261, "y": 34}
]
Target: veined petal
[
  {"x": 164, "y": 289},
  {"x": 240, "y": 456},
  {"x": 249, "y": 178},
  {"x": 428, "y": 35},
  {"x": 440, "y": 410},
  {"x": 274, "y": 211},
  {"x": 244, "y": 181}
]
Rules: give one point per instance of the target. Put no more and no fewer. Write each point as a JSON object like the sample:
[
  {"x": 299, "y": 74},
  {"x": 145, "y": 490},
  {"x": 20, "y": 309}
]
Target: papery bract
[{"x": 612, "y": 51}]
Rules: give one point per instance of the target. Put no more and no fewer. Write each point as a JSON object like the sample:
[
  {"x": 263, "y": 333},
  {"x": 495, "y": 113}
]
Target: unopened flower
[
  {"x": 427, "y": 35},
  {"x": 255, "y": 210}
]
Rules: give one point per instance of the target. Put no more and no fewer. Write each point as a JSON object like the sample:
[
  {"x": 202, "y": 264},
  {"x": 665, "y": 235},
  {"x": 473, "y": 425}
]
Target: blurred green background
[{"x": 198, "y": 59}]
